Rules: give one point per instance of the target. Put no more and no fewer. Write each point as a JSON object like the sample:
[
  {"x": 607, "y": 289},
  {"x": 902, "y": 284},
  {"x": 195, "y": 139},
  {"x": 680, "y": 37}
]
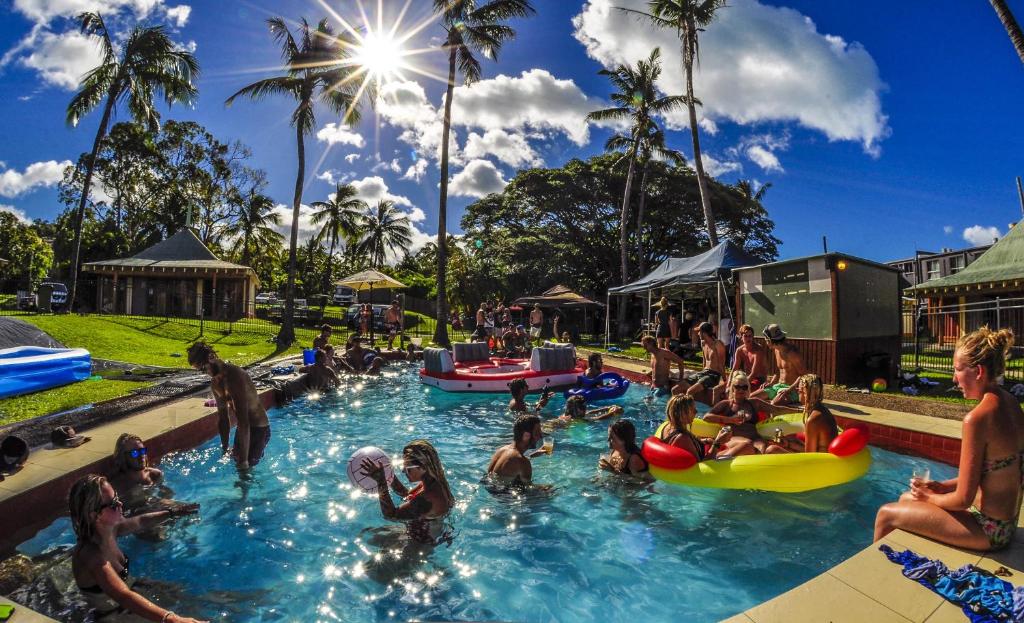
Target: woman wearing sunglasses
[
  {"x": 99, "y": 566},
  {"x": 741, "y": 411},
  {"x": 425, "y": 506},
  {"x": 133, "y": 475}
]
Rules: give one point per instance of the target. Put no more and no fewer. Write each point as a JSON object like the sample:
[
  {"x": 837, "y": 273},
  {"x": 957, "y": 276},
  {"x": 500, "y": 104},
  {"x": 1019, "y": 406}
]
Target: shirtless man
[
  {"x": 790, "y": 364},
  {"x": 518, "y": 402},
  {"x": 236, "y": 395},
  {"x": 661, "y": 363},
  {"x": 320, "y": 375},
  {"x": 536, "y": 323},
  {"x": 510, "y": 463},
  {"x": 751, "y": 358},
  {"x": 707, "y": 384},
  {"x": 324, "y": 338},
  {"x": 393, "y": 323},
  {"x": 355, "y": 356}
]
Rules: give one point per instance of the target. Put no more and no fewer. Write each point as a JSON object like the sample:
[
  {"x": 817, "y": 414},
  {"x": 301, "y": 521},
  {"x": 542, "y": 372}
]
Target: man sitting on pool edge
[{"x": 510, "y": 463}]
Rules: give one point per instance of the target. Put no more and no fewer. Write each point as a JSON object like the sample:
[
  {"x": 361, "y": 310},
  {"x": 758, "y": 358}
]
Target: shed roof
[
  {"x": 181, "y": 251},
  {"x": 1004, "y": 261}
]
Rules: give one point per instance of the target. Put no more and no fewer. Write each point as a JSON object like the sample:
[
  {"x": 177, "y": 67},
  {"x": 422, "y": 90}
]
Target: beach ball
[
  {"x": 355, "y": 470},
  {"x": 879, "y": 385}
]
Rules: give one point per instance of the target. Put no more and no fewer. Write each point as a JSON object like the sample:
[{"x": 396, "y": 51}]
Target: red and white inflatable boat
[{"x": 472, "y": 370}]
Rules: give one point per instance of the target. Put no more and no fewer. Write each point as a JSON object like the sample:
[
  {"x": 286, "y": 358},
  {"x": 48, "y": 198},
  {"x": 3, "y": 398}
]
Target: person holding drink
[{"x": 979, "y": 508}]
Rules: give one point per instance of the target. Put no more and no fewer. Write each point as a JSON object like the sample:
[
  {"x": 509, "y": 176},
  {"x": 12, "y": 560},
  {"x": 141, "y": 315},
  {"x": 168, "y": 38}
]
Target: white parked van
[{"x": 343, "y": 295}]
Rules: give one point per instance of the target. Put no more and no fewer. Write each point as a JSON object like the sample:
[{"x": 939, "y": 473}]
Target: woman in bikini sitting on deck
[{"x": 979, "y": 508}]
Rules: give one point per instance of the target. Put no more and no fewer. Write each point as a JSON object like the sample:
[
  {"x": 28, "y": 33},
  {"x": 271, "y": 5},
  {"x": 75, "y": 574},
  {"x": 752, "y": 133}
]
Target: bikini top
[
  {"x": 123, "y": 575},
  {"x": 697, "y": 443}
]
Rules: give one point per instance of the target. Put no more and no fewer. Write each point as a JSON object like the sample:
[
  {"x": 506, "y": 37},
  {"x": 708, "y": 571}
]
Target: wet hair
[
  {"x": 423, "y": 453},
  {"x": 517, "y": 386},
  {"x": 813, "y": 389},
  {"x": 625, "y": 431},
  {"x": 744, "y": 328},
  {"x": 84, "y": 501},
  {"x": 576, "y": 407},
  {"x": 678, "y": 406},
  {"x": 648, "y": 339},
  {"x": 524, "y": 424},
  {"x": 326, "y": 327},
  {"x": 738, "y": 376},
  {"x": 121, "y": 451},
  {"x": 707, "y": 328},
  {"x": 988, "y": 348},
  {"x": 320, "y": 356},
  {"x": 200, "y": 353},
  {"x": 593, "y": 359}
]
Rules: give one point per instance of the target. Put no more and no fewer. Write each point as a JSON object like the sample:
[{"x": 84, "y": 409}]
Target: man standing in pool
[
  {"x": 235, "y": 393},
  {"x": 661, "y": 363},
  {"x": 510, "y": 463},
  {"x": 518, "y": 389},
  {"x": 790, "y": 364}
]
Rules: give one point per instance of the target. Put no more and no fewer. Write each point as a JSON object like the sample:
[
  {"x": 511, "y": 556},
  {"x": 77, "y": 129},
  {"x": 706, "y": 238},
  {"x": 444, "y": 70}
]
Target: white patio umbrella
[{"x": 368, "y": 280}]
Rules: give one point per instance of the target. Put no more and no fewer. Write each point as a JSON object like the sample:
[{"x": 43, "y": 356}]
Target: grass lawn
[
  {"x": 62, "y": 398},
  {"x": 157, "y": 342}
]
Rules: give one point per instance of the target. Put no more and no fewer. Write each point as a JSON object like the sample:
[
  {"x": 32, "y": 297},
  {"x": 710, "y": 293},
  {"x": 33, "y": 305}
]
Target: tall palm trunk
[
  {"x": 287, "y": 334},
  {"x": 689, "y": 32},
  {"x": 80, "y": 213},
  {"x": 441, "y": 327},
  {"x": 623, "y": 233},
  {"x": 641, "y": 260},
  {"x": 1010, "y": 24},
  {"x": 330, "y": 261}
]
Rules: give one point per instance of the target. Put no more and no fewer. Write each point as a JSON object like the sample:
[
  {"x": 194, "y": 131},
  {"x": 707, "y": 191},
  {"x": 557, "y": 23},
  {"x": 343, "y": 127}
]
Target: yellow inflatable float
[{"x": 847, "y": 459}]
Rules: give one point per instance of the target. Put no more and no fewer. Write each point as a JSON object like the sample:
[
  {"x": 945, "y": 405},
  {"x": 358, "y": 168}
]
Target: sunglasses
[
  {"x": 137, "y": 452},
  {"x": 411, "y": 465},
  {"x": 115, "y": 502}
]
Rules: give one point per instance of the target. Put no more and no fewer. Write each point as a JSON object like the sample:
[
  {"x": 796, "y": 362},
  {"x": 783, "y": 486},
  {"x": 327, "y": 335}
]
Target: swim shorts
[
  {"x": 259, "y": 437},
  {"x": 535, "y": 330},
  {"x": 707, "y": 378},
  {"x": 773, "y": 391}
]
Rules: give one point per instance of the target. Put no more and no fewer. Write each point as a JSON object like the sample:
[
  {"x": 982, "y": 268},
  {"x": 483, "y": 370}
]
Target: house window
[
  {"x": 956, "y": 264},
  {"x": 932, "y": 270},
  {"x": 908, "y": 269}
]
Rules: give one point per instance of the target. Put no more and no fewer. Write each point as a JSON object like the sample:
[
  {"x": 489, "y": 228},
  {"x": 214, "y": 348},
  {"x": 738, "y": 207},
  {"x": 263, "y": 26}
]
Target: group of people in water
[{"x": 978, "y": 509}]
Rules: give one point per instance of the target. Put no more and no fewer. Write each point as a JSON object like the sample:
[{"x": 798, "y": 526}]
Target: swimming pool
[{"x": 296, "y": 543}]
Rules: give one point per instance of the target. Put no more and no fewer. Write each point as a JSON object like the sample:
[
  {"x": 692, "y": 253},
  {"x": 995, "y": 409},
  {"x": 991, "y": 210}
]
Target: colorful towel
[{"x": 983, "y": 597}]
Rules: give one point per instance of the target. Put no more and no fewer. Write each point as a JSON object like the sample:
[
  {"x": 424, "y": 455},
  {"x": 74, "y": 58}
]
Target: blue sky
[{"x": 884, "y": 126}]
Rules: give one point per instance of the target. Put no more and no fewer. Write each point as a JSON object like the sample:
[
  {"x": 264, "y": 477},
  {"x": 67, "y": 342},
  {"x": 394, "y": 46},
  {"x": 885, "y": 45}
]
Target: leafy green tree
[
  {"x": 146, "y": 64},
  {"x": 315, "y": 71},
  {"x": 471, "y": 27},
  {"x": 652, "y": 145},
  {"x": 385, "y": 229},
  {"x": 689, "y": 18},
  {"x": 27, "y": 257},
  {"x": 253, "y": 229},
  {"x": 340, "y": 218}
]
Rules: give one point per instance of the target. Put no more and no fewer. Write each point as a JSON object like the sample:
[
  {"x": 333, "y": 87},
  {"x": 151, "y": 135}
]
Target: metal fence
[{"x": 930, "y": 333}]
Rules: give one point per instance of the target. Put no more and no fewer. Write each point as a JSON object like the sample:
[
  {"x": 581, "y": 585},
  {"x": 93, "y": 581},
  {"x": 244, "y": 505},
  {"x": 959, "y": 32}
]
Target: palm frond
[{"x": 281, "y": 85}]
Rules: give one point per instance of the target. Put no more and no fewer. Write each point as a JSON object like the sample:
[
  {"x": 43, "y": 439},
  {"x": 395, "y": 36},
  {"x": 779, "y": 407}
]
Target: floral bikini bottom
[{"x": 998, "y": 531}]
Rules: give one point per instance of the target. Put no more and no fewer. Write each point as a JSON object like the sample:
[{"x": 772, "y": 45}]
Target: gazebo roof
[
  {"x": 182, "y": 251},
  {"x": 558, "y": 296},
  {"x": 1001, "y": 266}
]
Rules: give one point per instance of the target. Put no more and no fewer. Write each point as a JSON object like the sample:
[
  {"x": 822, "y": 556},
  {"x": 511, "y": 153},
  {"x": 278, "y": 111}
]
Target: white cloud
[
  {"x": 61, "y": 60},
  {"x": 405, "y": 105},
  {"x": 333, "y": 177},
  {"x": 42, "y": 11},
  {"x": 708, "y": 125},
  {"x": 416, "y": 171},
  {"x": 351, "y": 158},
  {"x": 373, "y": 189},
  {"x": 764, "y": 158},
  {"x": 19, "y": 214},
  {"x": 715, "y": 167},
  {"x": 509, "y": 147},
  {"x": 383, "y": 165},
  {"x": 416, "y": 215},
  {"x": 758, "y": 63},
  {"x": 339, "y": 133},
  {"x": 947, "y": 229},
  {"x": 37, "y": 174},
  {"x": 179, "y": 14},
  {"x": 979, "y": 235},
  {"x": 479, "y": 179},
  {"x": 306, "y": 227}
]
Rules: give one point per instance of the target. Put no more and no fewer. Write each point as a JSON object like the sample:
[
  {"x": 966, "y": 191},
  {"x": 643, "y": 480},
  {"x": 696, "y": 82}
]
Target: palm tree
[
  {"x": 384, "y": 229},
  {"x": 471, "y": 27},
  {"x": 340, "y": 217},
  {"x": 652, "y": 146},
  {"x": 314, "y": 72},
  {"x": 1010, "y": 24},
  {"x": 689, "y": 18},
  {"x": 145, "y": 65},
  {"x": 253, "y": 227},
  {"x": 637, "y": 100}
]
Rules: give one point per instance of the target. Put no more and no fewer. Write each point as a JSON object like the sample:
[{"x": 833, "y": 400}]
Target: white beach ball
[{"x": 355, "y": 470}]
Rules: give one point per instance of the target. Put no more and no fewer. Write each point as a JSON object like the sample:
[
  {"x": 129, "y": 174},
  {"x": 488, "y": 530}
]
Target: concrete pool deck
[{"x": 866, "y": 586}]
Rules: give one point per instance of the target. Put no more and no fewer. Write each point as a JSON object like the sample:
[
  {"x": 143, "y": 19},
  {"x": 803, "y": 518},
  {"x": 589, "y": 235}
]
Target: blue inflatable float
[
  {"x": 27, "y": 369},
  {"x": 606, "y": 386}
]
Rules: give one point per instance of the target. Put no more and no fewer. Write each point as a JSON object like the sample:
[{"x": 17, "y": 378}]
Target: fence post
[
  {"x": 999, "y": 322},
  {"x": 917, "y": 336},
  {"x": 202, "y": 314}
]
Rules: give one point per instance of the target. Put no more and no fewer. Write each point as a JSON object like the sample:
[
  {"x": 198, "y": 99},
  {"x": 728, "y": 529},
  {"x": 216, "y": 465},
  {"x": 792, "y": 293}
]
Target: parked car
[
  {"x": 352, "y": 317},
  {"x": 343, "y": 295},
  {"x": 266, "y": 298},
  {"x": 58, "y": 296}
]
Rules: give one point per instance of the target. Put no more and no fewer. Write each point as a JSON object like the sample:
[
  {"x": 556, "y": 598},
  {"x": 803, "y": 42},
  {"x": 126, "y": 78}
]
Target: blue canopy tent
[{"x": 714, "y": 266}]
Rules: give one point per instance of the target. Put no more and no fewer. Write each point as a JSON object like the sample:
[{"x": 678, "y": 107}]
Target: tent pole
[
  {"x": 649, "y": 307},
  {"x": 718, "y": 320},
  {"x": 607, "y": 317}
]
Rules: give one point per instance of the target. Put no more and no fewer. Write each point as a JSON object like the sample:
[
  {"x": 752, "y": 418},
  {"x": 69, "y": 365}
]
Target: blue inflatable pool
[
  {"x": 606, "y": 386},
  {"x": 27, "y": 369}
]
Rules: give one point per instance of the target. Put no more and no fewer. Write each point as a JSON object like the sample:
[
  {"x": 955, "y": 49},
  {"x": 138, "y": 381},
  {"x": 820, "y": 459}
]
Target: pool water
[{"x": 296, "y": 542}]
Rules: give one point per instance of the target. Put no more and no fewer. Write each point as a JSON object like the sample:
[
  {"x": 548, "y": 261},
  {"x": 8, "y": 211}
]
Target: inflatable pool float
[
  {"x": 606, "y": 386},
  {"x": 473, "y": 370},
  {"x": 848, "y": 458},
  {"x": 26, "y": 369}
]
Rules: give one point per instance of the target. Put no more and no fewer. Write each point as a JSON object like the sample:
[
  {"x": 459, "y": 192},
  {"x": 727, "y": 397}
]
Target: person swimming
[
  {"x": 518, "y": 404},
  {"x": 510, "y": 463},
  {"x": 576, "y": 411},
  {"x": 625, "y": 457}
]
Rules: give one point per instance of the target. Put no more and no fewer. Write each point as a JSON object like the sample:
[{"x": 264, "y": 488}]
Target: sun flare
[{"x": 381, "y": 55}]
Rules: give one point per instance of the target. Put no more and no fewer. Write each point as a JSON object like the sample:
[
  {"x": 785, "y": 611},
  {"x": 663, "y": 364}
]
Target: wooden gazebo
[{"x": 173, "y": 278}]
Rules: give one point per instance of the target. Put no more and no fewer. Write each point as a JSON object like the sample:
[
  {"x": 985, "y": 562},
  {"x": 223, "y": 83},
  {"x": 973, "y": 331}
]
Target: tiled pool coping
[{"x": 864, "y": 587}]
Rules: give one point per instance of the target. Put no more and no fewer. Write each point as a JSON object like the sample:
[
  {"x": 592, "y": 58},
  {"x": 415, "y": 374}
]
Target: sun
[{"x": 382, "y": 56}]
